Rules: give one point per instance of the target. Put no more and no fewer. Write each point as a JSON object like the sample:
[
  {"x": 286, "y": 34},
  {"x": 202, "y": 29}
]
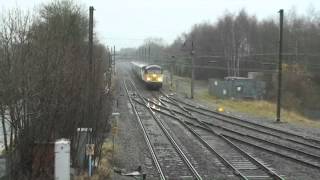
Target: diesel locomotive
[{"x": 151, "y": 75}]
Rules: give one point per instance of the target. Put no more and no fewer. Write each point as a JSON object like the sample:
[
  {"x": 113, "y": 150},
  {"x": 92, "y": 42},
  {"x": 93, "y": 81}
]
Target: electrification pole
[
  {"x": 110, "y": 62},
  {"x": 192, "y": 70},
  {"x": 280, "y": 67},
  {"x": 137, "y": 54},
  {"x": 90, "y": 75},
  {"x": 114, "y": 60},
  {"x": 149, "y": 54},
  {"x": 90, "y": 83},
  {"x": 90, "y": 54},
  {"x": 171, "y": 71},
  {"x": 145, "y": 54},
  {"x": 109, "y": 66}
]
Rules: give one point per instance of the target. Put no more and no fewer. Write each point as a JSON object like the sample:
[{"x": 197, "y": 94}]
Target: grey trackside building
[{"x": 237, "y": 88}]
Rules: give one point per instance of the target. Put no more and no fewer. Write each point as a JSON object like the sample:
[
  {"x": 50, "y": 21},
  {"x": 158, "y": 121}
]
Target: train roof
[
  {"x": 153, "y": 66},
  {"x": 139, "y": 64},
  {"x": 146, "y": 66}
]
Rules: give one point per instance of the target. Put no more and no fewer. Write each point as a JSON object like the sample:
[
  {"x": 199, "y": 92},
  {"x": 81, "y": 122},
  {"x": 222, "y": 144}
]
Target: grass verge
[
  {"x": 258, "y": 108},
  {"x": 255, "y": 107}
]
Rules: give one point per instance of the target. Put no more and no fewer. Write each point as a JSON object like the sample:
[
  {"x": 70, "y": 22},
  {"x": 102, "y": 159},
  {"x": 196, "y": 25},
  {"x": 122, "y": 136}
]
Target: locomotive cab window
[{"x": 154, "y": 71}]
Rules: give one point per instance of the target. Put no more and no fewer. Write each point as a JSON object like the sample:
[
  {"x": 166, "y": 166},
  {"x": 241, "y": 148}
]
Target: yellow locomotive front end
[{"x": 153, "y": 76}]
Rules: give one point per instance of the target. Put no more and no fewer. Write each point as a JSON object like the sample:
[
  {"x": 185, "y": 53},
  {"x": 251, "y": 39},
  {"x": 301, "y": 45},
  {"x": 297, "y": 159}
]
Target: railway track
[
  {"x": 243, "y": 165},
  {"x": 230, "y": 130},
  {"x": 302, "y": 153},
  {"x": 208, "y": 165},
  {"x": 277, "y": 148},
  {"x": 169, "y": 160},
  {"x": 239, "y": 145},
  {"x": 296, "y": 138}
]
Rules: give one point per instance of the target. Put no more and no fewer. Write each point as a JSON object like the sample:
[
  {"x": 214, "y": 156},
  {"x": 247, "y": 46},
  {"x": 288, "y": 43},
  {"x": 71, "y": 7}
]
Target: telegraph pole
[
  {"x": 171, "y": 70},
  {"x": 140, "y": 54},
  {"x": 137, "y": 54},
  {"x": 110, "y": 65},
  {"x": 114, "y": 60},
  {"x": 192, "y": 70},
  {"x": 90, "y": 83},
  {"x": 280, "y": 67},
  {"x": 90, "y": 75},
  {"x": 145, "y": 54},
  {"x": 149, "y": 58},
  {"x": 90, "y": 54},
  {"x": 110, "y": 61}
]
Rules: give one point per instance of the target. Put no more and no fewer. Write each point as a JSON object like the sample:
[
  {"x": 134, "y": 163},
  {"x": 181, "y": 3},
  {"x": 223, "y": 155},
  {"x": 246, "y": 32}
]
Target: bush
[{"x": 298, "y": 89}]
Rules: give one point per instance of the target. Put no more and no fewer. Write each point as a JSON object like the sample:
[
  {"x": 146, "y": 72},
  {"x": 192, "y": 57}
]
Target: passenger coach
[{"x": 151, "y": 75}]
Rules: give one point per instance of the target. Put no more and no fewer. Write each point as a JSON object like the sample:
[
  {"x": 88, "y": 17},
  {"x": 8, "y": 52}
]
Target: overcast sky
[{"x": 126, "y": 23}]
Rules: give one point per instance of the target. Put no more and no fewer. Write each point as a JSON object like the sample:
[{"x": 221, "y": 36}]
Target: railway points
[{"x": 236, "y": 146}]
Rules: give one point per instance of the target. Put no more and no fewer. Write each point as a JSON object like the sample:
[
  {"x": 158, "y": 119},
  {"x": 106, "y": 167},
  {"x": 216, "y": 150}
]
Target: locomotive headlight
[
  {"x": 160, "y": 79},
  {"x": 154, "y": 75},
  {"x": 148, "y": 78}
]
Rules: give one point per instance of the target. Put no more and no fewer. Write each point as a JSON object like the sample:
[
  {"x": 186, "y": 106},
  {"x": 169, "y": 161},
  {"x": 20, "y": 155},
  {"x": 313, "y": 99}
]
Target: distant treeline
[{"x": 238, "y": 43}]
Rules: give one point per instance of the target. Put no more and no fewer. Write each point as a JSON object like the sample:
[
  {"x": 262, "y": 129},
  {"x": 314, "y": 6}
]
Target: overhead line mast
[{"x": 280, "y": 67}]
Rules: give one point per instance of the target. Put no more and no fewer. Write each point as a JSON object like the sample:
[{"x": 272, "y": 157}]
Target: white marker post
[
  {"x": 62, "y": 159},
  {"x": 90, "y": 171},
  {"x": 90, "y": 153}
]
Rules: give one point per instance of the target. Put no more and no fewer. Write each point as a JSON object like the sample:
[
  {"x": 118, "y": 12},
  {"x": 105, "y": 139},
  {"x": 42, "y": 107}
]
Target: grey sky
[{"x": 126, "y": 23}]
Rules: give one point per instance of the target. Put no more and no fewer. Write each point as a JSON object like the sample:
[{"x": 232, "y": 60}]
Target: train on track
[{"x": 151, "y": 75}]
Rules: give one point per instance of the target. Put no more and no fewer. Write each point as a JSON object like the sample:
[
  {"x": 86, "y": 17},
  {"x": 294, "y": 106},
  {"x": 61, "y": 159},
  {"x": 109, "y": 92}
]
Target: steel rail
[
  {"x": 253, "y": 123},
  {"x": 245, "y": 135},
  {"x": 262, "y": 148},
  {"x": 248, "y": 127},
  {"x": 146, "y": 137},
  {"x": 266, "y": 141},
  {"x": 257, "y": 130},
  {"x": 271, "y": 151},
  {"x": 254, "y": 160},
  {"x": 236, "y": 172},
  {"x": 171, "y": 139},
  {"x": 275, "y": 152},
  {"x": 225, "y": 161},
  {"x": 242, "y": 134},
  {"x": 168, "y": 109}
]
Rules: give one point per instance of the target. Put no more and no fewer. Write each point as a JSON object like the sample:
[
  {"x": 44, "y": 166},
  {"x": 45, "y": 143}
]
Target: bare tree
[
  {"x": 43, "y": 75},
  {"x": 238, "y": 43}
]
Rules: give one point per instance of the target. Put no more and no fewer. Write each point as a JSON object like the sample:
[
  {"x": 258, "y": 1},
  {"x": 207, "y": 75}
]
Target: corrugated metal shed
[{"x": 237, "y": 87}]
